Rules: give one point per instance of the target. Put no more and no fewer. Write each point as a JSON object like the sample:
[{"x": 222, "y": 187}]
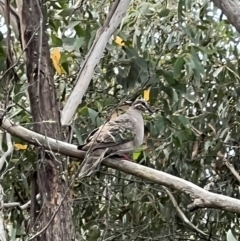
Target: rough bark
[
  {"x": 231, "y": 8},
  {"x": 45, "y": 114}
]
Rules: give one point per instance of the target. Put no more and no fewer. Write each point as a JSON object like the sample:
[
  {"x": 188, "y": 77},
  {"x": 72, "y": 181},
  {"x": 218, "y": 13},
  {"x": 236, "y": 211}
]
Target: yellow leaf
[
  {"x": 20, "y": 146},
  {"x": 56, "y": 56},
  {"x": 119, "y": 41},
  {"x": 146, "y": 95}
]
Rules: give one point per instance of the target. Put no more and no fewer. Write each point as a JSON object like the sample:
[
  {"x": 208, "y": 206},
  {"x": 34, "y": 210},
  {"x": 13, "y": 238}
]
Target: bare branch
[
  {"x": 8, "y": 152},
  {"x": 197, "y": 204},
  {"x": 85, "y": 74},
  {"x": 229, "y": 166},
  {"x": 232, "y": 169},
  {"x": 2, "y": 230},
  {"x": 213, "y": 129},
  {"x": 17, "y": 204},
  {"x": 1, "y": 142},
  {"x": 40, "y": 140},
  {"x": 202, "y": 198},
  {"x": 182, "y": 215},
  {"x": 11, "y": 205}
]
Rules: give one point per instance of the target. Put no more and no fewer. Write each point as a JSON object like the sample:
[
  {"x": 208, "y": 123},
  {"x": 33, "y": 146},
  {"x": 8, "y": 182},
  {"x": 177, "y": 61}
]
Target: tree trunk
[
  {"x": 231, "y": 9},
  {"x": 46, "y": 117}
]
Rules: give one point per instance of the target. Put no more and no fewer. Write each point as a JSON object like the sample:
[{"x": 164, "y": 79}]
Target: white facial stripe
[{"x": 140, "y": 105}]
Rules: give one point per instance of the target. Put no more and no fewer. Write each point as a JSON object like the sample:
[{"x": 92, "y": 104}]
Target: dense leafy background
[{"x": 186, "y": 54}]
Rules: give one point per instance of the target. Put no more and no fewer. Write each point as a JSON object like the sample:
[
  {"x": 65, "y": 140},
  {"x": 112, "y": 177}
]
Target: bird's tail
[{"x": 91, "y": 164}]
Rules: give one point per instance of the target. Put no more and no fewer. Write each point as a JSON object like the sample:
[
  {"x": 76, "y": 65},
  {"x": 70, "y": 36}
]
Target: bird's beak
[{"x": 150, "y": 110}]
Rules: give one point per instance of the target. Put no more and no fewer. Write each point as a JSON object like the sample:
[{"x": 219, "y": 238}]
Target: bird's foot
[
  {"x": 126, "y": 157},
  {"x": 123, "y": 156}
]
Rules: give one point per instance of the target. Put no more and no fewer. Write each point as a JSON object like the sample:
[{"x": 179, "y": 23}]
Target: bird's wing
[
  {"x": 89, "y": 137},
  {"x": 113, "y": 133}
]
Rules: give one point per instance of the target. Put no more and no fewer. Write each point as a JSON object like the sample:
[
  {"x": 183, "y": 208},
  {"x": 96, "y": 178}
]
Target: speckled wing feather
[
  {"x": 113, "y": 133},
  {"x": 91, "y": 164}
]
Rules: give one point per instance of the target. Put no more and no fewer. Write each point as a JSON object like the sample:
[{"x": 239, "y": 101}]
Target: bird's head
[{"x": 141, "y": 105}]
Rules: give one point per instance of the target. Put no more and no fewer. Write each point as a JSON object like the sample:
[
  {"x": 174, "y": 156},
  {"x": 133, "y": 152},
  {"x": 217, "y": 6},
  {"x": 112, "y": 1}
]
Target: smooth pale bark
[
  {"x": 201, "y": 198},
  {"x": 85, "y": 74},
  {"x": 2, "y": 229}
]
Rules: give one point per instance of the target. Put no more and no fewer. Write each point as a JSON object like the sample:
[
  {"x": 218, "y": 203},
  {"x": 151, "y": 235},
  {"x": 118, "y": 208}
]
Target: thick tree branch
[
  {"x": 201, "y": 198},
  {"x": 231, "y": 8},
  {"x": 85, "y": 74},
  {"x": 40, "y": 140}
]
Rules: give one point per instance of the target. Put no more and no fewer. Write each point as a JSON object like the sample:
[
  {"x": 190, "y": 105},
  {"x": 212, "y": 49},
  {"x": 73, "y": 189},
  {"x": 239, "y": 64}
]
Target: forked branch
[{"x": 201, "y": 198}]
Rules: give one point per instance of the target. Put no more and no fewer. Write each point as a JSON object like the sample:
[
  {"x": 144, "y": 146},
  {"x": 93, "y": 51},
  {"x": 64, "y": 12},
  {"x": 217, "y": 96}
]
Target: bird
[{"x": 119, "y": 136}]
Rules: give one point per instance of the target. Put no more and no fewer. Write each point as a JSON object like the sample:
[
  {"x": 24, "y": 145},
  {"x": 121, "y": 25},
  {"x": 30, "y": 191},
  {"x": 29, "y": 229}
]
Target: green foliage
[{"x": 188, "y": 58}]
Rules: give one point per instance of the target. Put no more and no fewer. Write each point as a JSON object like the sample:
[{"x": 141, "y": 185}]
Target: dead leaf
[
  {"x": 56, "y": 56},
  {"x": 146, "y": 94},
  {"x": 119, "y": 41},
  {"x": 20, "y": 147}
]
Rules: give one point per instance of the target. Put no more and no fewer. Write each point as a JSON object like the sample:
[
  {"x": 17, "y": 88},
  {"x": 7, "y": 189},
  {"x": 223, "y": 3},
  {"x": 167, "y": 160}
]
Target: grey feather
[
  {"x": 121, "y": 135},
  {"x": 91, "y": 164}
]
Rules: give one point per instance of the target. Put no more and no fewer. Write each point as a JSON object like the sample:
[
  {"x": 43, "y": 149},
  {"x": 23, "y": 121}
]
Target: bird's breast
[{"x": 139, "y": 131}]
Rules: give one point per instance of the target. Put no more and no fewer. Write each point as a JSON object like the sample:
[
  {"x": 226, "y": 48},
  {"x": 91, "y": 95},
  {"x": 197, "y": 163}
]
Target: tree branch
[
  {"x": 2, "y": 230},
  {"x": 40, "y": 140},
  {"x": 17, "y": 204},
  {"x": 93, "y": 57},
  {"x": 201, "y": 198},
  {"x": 228, "y": 165},
  {"x": 181, "y": 214},
  {"x": 232, "y": 169},
  {"x": 9, "y": 151}
]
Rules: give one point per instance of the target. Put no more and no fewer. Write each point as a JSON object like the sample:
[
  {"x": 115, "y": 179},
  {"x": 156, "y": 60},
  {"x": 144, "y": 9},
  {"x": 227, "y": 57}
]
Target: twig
[
  {"x": 39, "y": 58},
  {"x": 17, "y": 204},
  {"x": 212, "y": 128},
  {"x": 14, "y": 19},
  {"x": 232, "y": 169},
  {"x": 181, "y": 214},
  {"x": 229, "y": 166},
  {"x": 20, "y": 54},
  {"x": 1, "y": 141},
  {"x": 8, "y": 152}
]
